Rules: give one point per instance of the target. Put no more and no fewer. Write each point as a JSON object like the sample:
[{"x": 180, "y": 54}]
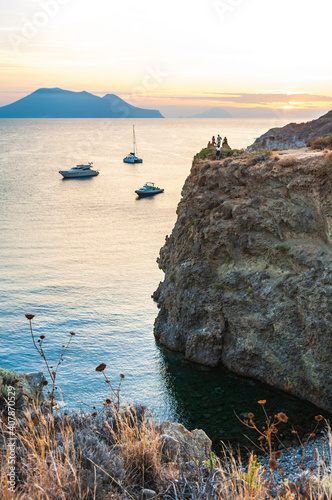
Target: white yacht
[{"x": 79, "y": 171}]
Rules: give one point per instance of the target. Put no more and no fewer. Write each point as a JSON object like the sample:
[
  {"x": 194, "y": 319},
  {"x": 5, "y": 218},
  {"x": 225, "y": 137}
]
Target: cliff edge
[{"x": 248, "y": 274}]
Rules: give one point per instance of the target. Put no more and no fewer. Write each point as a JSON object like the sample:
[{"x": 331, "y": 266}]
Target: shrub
[
  {"x": 328, "y": 160},
  {"x": 225, "y": 153},
  {"x": 259, "y": 152},
  {"x": 209, "y": 153},
  {"x": 283, "y": 247},
  {"x": 205, "y": 153},
  {"x": 289, "y": 161},
  {"x": 321, "y": 142},
  {"x": 7, "y": 378}
]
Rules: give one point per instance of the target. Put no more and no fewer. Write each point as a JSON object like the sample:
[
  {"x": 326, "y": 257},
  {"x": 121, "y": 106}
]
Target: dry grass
[
  {"x": 45, "y": 470},
  {"x": 289, "y": 161},
  {"x": 136, "y": 442},
  {"x": 117, "y": 456}
]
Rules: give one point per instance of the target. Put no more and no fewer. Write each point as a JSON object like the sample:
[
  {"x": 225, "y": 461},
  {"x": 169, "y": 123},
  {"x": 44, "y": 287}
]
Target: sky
[{"x": 179, "y": 56}]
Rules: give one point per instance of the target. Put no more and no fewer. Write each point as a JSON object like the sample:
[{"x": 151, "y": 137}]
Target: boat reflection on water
[{"x": 210, "y": 398}]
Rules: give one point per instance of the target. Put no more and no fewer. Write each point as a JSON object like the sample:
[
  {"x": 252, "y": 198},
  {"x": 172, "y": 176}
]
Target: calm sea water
[{"x": 81, "y": 256}]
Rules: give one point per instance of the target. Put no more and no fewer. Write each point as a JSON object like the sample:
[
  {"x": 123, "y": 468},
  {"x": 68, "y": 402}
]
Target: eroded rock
[{"x": 248, "y": 278}]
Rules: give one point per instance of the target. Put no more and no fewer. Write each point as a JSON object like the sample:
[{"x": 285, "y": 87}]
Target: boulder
[
  {"x": 177, "y": 443},
  {"x": 31, "y": 385}
]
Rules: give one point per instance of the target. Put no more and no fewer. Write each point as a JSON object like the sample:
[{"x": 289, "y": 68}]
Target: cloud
[{"x": 258, "y": 99}]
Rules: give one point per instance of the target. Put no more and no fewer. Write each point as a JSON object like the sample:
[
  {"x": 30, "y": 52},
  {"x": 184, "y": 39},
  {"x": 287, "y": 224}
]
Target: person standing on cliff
[
  {"x": 213, "y": 141},
  {"x": 218, "y": 152},
  {"x": 218, "y": 140}
]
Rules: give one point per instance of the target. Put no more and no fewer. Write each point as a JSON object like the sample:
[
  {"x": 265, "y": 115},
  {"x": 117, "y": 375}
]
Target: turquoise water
[{"x": 81, "y": 256}]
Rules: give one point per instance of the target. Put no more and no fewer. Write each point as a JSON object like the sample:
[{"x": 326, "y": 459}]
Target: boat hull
[
  {"x": 132, "y": 160},
  {"x": 74, "y": 175}
]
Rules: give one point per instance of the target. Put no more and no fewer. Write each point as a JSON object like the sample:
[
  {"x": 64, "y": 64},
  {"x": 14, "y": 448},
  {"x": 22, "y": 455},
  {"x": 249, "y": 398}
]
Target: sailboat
[{"x": 132, "y": 158}]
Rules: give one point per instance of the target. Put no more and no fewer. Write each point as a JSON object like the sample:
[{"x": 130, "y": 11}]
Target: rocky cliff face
[
  {"x": 248, "y": 274},
  {"x": 294, "y": 135}
]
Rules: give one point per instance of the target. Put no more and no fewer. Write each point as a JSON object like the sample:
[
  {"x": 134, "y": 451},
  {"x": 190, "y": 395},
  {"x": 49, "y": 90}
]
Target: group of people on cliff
[{"x": 218, "y": 144}]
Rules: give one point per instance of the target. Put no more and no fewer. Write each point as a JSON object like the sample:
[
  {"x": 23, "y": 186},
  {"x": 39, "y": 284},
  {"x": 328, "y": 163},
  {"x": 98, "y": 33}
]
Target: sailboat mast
[{"x": 134, "y": 140}]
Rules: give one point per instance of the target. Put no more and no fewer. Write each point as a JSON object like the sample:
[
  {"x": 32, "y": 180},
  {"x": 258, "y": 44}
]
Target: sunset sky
[{"x": 174, "y": 56}]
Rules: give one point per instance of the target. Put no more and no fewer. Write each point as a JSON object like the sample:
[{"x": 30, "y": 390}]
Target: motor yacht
[
  {"x": 79, "y": 171},
  {"x": 149, "y": 189}
]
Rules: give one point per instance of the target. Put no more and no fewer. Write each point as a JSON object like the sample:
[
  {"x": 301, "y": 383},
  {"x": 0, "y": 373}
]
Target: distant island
[
  {"x": 59, "y": 103},
  {"x": 213, "y": 113}
]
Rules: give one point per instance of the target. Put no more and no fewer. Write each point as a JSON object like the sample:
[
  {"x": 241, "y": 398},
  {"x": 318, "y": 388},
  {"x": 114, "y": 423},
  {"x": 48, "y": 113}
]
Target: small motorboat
[
  {"x": 149, "y": 189},
  {"x": 79, "y": 171},
  {"x": 132, "y": 158}
]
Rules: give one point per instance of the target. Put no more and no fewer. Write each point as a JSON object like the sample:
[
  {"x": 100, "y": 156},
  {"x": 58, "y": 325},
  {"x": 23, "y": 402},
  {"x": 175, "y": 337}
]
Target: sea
[{"x": 80, "y": 254}]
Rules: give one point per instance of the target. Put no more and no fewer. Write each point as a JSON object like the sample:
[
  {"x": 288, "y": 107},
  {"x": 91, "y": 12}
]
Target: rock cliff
[
  {"x": 294, "y": 135},
  {"x": 248, "y": 275}
]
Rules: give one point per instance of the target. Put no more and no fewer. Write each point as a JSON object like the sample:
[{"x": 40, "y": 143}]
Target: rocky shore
[
  {"x": 125, "y": 454},
  {"x": 248, "y": 275}
]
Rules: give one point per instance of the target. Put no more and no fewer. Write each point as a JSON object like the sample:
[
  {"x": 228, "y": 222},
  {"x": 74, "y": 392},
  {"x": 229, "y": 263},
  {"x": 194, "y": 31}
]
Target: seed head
[
  {"x": 273, "y": 464},
  {"x": 101, "y": 367},
  {"x": 278, "y": 454},
  {"x": 42, "y": 337},
  {"x": 122, "y": 375},
  {"x": 262, "y": 402},
  {"x": 71, "y": 333},
  {"x": 318, "y": 418},
  {"x": 251, "y": 415},
  {"x": 29, "y": 316},
  {"x": 282, "y": 417}
]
